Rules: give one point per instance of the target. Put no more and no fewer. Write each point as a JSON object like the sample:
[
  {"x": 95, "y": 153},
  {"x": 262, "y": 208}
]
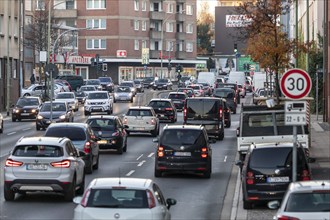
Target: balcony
[
  {"x": 180, "y": 36},
  {"x": 154, "y": 54},
  {"x": 180, "y": 17},
  {"x": 155, "y": 35},
  {"x": 181, "y": 55},
  {"x": 157, "y": 15},
  {"x": 180, "y": 1},
  {"x": 65, "y": 13}
]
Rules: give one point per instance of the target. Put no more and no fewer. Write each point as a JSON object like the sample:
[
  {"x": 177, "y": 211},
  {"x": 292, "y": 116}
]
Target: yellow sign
[{"x": 145, "y": 55}]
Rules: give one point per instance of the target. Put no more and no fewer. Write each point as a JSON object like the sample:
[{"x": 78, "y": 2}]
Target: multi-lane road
[{"x": 197, "y": 198}]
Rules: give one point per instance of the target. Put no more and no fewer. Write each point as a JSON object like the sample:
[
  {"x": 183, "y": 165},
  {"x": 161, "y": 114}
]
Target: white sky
[{"x": 212, "y": 4}]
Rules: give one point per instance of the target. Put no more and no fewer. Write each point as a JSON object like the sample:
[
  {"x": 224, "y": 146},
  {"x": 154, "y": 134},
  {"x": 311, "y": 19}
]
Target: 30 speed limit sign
[{"x": 296, "y": 84}]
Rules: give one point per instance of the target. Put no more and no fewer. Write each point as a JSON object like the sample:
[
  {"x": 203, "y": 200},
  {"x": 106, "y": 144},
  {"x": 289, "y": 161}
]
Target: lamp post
[{"x": 162, "y": 38}]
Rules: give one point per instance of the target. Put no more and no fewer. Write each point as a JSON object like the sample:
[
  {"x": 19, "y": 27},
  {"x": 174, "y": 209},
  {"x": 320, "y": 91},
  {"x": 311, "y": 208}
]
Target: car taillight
[
  {"x": 305, "y": 175},
  {"x": 61, "y": 164},
  {"x": 204, "y": 152},
  {"x": 220, "y": 113},
  {"x": 234, "y": 99},
  {"x": 153, "y": 121},
  {"x": 250, "y": 178},
  {"x": 151, "y": 199},
  {"x": 13, "y": 163},
  {"x": 283, "y": 217},
  {"x": 115, "y": 134},
  {"x": 184, "y": 114},
  {"x": 160, "y": 151},
  {"x": 87, "y": 147},
  {"x": 168, "y": 109},
  {"x": 125, "y": 121},
  {"x": 84, "y": 200}
]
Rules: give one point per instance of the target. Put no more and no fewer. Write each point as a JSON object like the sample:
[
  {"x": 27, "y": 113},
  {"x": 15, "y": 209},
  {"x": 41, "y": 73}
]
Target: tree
[{"x": 204, "y": 32}]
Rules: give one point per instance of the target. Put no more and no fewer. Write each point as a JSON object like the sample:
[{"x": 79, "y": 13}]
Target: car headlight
[
  {"x": 16, "y": 110},
  {"x": 39, "y": 117},
  {"x": 62, "y": 117},
  {"x": 34, "y": 111}
]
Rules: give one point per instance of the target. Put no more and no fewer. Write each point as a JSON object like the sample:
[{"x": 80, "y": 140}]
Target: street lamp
[{"x": 162, "y": 38}]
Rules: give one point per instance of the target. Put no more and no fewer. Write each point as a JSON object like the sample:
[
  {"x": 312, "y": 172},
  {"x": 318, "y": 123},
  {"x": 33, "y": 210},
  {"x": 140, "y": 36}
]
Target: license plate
[
  {"x": 25, "y": 114},
  {"x": 102, "y": 141},
  {"x": 178, "y": 102},
  {"x": 139, "y": 129},
  {"x": 182, "y": 154},
  {"x": 97, "y": 109},
  {"x": 283, "y": 179},
  {"x": 33, "y": 166}
]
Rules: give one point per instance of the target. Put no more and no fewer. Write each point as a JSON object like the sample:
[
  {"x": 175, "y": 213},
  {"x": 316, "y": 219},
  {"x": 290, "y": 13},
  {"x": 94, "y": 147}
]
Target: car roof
[
  {"x": 98, "y": 92},
  {"x": 161, "y": 99},
  {"x": 135, "y": 183},
  {"x": 42, "y": 140},
  {"x": 182, "y": 93},
  {"x": 112, "y": 117},
  {"x": 69, "y": 124},
  {"x": 309, "y": 185},
  {"x": 141, "y": 107},
  {"x": 190, "y": 127}
]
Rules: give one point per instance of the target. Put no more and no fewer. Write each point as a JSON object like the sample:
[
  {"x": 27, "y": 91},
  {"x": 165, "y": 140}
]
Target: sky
[{"x": 212, "y": 4}]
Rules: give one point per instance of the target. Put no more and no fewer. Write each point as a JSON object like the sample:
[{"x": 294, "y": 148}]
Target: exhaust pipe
[{"x": 15, "y": 189}]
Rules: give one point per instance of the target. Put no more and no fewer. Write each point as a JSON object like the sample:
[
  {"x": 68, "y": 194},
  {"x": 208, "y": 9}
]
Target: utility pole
[
  {"x": 297, "y": 40},
  {"x": 8, "y": 62}
]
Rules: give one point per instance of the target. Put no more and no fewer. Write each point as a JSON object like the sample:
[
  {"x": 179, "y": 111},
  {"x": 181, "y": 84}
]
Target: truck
[
  {"x": 261, "y": 124},
  {"x": 207, "y": 77}
]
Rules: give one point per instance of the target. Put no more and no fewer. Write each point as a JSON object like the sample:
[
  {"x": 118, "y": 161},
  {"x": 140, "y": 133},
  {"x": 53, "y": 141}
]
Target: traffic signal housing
[{"x": 235, "y": 48}]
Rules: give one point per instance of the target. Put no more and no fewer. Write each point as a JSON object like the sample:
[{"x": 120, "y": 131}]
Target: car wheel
[
  {"x": 37, "y": 127},
  {"x": 71, "y": 192},
  {"x": 247, "y": 205},
  {"x": 109, "y": 112},
  {"x": 131, "y": 100},
  {"x": 8, "y": 194},
  {"x": 127, "y": 133},
  {"x": 228, "y": 124},
  {"x": 89, "y": 169},
  {"x": 114, "y": 101},
  {"x": 13, "y": 119},
  {"x": 81, "y": 189},
  {"x": 221, "y": 136},
  {"x": 158, "y": 173},
  {"x": 96, "y": 166},
  {"x": 234, "y": 112},
  {"x": 19, "y": 119}
]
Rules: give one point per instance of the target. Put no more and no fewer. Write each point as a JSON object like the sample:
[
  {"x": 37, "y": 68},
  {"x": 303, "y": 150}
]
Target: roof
[
  {"x": 43, "y": 140},
  {"x": 191, "y": 127},
  {"x": 69, "y": 124},
  {"x": 140, "y": 107},
  {"x": 102, "y": 117},
  {"x": 183, "y": 93},
  {"x": 124, "y": 182},
  {"x": 161, "y": 99},
  {"x": 310, "y": 185}
]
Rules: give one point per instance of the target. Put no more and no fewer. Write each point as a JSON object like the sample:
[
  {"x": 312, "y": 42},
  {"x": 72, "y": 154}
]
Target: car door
[
  {"x": 120, "y": 128},
  {"x": 160, "y": 211},
  {"x": 79, "y": 164},
  {"x": 94, "y": 144},
  {"x": 36, "y": 91}
]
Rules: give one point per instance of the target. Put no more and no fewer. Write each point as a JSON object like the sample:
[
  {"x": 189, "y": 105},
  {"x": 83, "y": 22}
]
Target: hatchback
[
  {"x": 184, "y": 148},
  {"x": 178, "y": 99},
  {"x": 123, "y": 198},
  {"x": 82, "y": 137},
  {"x": 26, "y": 108},
  {"x": 44, "y": 164},
  {"x": 70, "y": 98},
  {"x": 189, "y": 91},
  {"x": 164, "y": 109},
  {"x": 123, "y": 93}
]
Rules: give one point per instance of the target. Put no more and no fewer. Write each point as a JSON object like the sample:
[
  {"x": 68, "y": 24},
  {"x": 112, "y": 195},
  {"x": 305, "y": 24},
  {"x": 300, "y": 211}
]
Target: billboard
[{"x": 237, "y": 21}]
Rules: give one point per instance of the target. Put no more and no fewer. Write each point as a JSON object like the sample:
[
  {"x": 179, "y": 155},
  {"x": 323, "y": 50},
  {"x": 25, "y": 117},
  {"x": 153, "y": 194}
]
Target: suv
[
  {"x": 233, "y": 86},
  {"x": 183, "y": 148},
  {"x": 107, "y": 83},
  {"x": 206, "y": 111},
  {"x": 44, "y": 164},
  {"x": 267, "y": 172},
  {"x": 75, "y": 81},
  {"x": 164, "y": 109},
  {"x": 229, "y": 95},
  {"x": 178, "y": 99},
  {"x": 26, "y": 108},
  {"x": 82, "y": 137},
  {"x": 98, "y": 101}
]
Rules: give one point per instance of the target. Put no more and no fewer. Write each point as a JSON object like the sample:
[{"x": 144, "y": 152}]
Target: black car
[
  {"x": 148, "y": 82},
  {"x": 229, "y": 95},
  {"x": 267, "y": 172},
  {"x": 81, "y": 96},
  {"x": 164, "y": 109},
  {"x": 110, "y": 132},
  {"x": 83, "y": 138},
  {"x": 183, "y": 148},
  {"x": 233, "y": 86},
  {"x": 161, "y": 84},
  {"x": 60, "y": 112},
  {"x": 106, "y": 83},
  {"x": 178, "y": 99},
  {"x": 26, "y": 108},
  {"x": 226, "y": 113}
]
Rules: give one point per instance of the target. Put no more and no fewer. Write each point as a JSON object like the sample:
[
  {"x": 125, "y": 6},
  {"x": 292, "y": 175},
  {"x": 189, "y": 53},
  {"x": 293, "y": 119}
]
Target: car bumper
[
  {"x": 255, "y": 195},
  {"x": 137, "y": 128},
  {"x": 170, "y": 166},
  {"x": 109, "y": 143},
  {"x": 27, "y": 115},
  {"x": 32, "y": 185},
  {"x": 97, "y": 108},
  {"x": 46, "y": 122}
]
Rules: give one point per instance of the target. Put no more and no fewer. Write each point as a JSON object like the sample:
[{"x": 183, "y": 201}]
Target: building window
[
  {"x": 70, "y": 22},
  {"x": 189, "y": 28},
  {"x": 144, "y": 44},
  {"x": 169, "y": 46},
  {"x": 69, "y": 4},
  {"x": 136, "y": 44},
  {"x": 189, "y": 47},
  {"x": 170, "y": 8},
  {"x": 144, "y": 25},
  {"x": 189, "y": 10},
  {"x": 40, "y": 5},
  {"x": 144, "y": 5},
  {"x": 96, "y": 44},
  {"x": 95, "y": 4},
  {"x": 169, "y": 27},
  {"x": 96, "y": 23},
  {"x": 136, "y": 25},
  {"x": 1, "y": 24},
  {"x": 136, "y": 5}
]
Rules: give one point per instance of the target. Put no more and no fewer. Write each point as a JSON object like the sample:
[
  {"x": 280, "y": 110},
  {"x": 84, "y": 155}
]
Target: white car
[
  {"x": 70, "y": 98},
  {"x": 198, "y": 89},
  {"x": 33, "y": 90},
  {"x": 98, "y": 101},
  {"x": 87, "y": 89},
  {"x": 122, "y": 198},
  {"x": 1, "y": 123},
  {"x": 141, "y": 119},
  {"x": 304, "y": 200},
  {"x": 123, "y": 93}
]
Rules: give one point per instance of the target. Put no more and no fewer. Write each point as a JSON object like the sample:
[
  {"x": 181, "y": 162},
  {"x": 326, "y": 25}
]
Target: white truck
[{"x": 208, "y": 77}]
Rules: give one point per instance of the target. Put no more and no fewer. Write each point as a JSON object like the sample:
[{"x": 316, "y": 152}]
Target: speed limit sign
[{"x": 296, "y": 84}]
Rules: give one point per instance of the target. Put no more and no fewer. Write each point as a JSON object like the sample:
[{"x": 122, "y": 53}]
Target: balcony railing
[
  {"x": 155, "y": 34},
  {"x": 65, "y": 13},
  {"x": 180, "y": 17},
  {"x": 180, "y": 55},
  {"x": 180, "y": 36},
  {"x": 154, "y": 54},
  {"x": 157, "y": 15}
]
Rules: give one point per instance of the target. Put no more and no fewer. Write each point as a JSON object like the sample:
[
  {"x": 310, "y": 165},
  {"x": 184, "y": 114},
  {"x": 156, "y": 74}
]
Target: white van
[
  {"x": 208, "y": 77},
  {"x": 259, "y": 80},
  {"x": 237, "y": 77}
]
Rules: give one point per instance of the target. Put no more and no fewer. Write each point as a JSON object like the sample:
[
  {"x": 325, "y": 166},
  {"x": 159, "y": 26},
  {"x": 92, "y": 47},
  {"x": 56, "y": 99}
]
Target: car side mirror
[
  {"x": 155, "y": 140},
  {"x": 170, "y": 202},
  {"x": 237, "y": 131},
  {"x": 273, "y": 204},
  {"x": 77, "y": 199}
]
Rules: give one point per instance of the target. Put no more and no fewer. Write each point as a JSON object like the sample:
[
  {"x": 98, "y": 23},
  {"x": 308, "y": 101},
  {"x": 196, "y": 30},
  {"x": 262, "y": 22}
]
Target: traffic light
[
  {"x": 235, "y": 48},
  {"x": 179, "y": 68}
]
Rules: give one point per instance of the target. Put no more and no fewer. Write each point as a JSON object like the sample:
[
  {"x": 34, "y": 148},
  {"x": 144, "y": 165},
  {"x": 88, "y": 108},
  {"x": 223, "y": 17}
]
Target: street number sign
[{"x": 296, "y": 84}]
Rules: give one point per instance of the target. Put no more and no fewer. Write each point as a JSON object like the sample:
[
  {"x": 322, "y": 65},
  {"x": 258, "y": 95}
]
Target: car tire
[
  {"x": 114, "y": 101},
  {"x": 221, "y": 136},
  {"x": 228, "y": 124},
  {"x": 37, "y": 127},
  {"x": 120, "y": 150},
  {"x": 8, "y": 194},
  {"x": 158, "y": 173},
  {"x": 96, "y": 166},
  {"x": 89, "y": 169},
  {"x": 13, "y": 119},
  {"x": 109, "y": 112},
  {"x": 234, "y": 112},
  {"x": 71, "y": 192},
  {"x": 81, "y": 189},
  {"x": 131, "y": 100},
  {"x": 247, "y": 205},
  {"x": 128, "y": 133}
]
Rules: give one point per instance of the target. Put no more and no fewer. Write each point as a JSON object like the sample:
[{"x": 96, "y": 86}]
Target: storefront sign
[
  {"x": 237, "y": 21},
  {"x": 79, "y": 60}
]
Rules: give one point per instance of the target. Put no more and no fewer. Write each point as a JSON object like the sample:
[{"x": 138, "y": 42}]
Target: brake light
[
  {"x": 153, "y": 121},
  {"x": 283, "y": 217},
  {"x": 13, "y": 163},
  {"x": 115, "y": 134},
  {"x": 151, "y": 199},
  {"x": 168, "y": 109},
  {"x": 61, "y": 164},
  {"x": 305, "y": 175},
  {"x": 84, "y": 200},
  {"x": 125, "y": 121},
  {"x": 234, "y": 99},
  {"x": 204, "y": 152},
  {"x": 250, "y": 178},
  {"x": 87, "y": 147},
  {"x": 160, "y": 152},
  {"x": 220, "y": 113},
  {"x": 184, "y": 114}
]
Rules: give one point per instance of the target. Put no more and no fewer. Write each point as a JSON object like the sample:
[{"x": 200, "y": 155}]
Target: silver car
[
  {"x": 123, "y": 93},
  {"x": 45, "y": 164}
]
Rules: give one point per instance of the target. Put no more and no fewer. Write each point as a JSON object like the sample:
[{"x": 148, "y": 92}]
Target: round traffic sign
[{"x": 296, "y": 84}]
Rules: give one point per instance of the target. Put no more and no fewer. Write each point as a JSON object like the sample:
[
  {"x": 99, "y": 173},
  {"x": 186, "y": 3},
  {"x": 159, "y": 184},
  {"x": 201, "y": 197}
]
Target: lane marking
[
  {"x": 141, "y": 163},
  {"x": 25, "y": 129},
  {"x": 225, "y": 159},
  {"x": 150, "y": 155},
  {"x": 130, "y": 172},
  {"x": 139, "y": 157},
  {"x": 11, "y": 133}
]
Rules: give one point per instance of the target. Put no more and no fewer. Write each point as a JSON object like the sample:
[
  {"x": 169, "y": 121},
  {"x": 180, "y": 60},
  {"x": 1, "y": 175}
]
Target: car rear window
[
  {"x": 73, "y": 133},
  {"x": 318, "y": 201},
  {"x": 271, "y": 157},
  {"x": 138, "y": 112},
  {"x": 118, "y": 198},
  {"x": 101, "y": 124},
  {"x": 160, "y": 104},
  {"x": 176, "y": 96},
  {"x": 222, "y": 93},
  {"x": 38, "y": 151},
  {"x": 179, "y": 137},
  {"x": 198, "y": 109}
]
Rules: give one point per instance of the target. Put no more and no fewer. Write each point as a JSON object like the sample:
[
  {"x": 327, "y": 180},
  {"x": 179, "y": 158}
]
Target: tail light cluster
[
  {"x": 125, "y": 121},
  {"x": 151, "y": 199},
  {"x": 250, "y": 178},
  {"x": 305, "y": 175},
  {"x": 87, "y": 147},
  {"x": 168, "y": 109},
  {"x": 184, "y": 114},
  {"x": 160, "y": 151},
  {"x": 283, "y": 217},
  {"x": 204, "y": 153},
  {"x": 84, "y": 200},
  {"x": 13, "y": 163},
  {"x": 61, "y": 164},
  {"x": 220, "y": 113}
]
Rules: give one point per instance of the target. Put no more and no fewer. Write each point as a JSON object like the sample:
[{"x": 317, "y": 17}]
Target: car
[
  {"x": 304, "y": 200},
  {"x": 189, "y": 91},
  {"x": 198, "y": 89},
  {"x": 232, "y": 86},
  {"x": 148, "y": 82},
  {"x": 98, "y": 101},
  {"x": 184, "y": 81},
  {"x": 178, "y": 99},
  {"x": 1, "y": 123},
  {"x": 75, "y": 81},
  {"x": 219, "y": 80},
  {"x": 64, "y": 83},
  {"x": 110, "y": 132},
  {"x": 123, "y": 93},
  {"x": 162, "y": 84},
  {"x": 229, "y": 95},
  {"x": 45, "y": 164},
  {"x": 248, "y": 85},
  {"x": 83, "y": 138},
  {"x": 70, "y": 98},
  {"x": 81, "y": 96},
  {"x": 33, "y": 90},
  {"x": 139, "y": 85},
  {"x": 60, "y": 112},
  {"x": 267, "y": 171},
  {"x": 107, "y": 83},
  {"x": 207, "y": 88},
  {"x": 124, "y": 198},
  {"x": 164, "y": 109},
  {"x": 94, "y": 82},
  {"x": 87, "y": 89},
  {"x": 226, "y": 113},
  {"x": 241, "y": 89},
  {"x": 130, "y": 84},
  {"x": 183, "y": 148},
  {"x": 141, "y": 119},
  {"x": 26, "y": 107}
]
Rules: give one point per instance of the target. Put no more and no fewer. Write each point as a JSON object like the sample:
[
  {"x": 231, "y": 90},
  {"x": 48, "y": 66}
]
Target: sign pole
[{"x": 294, "y": 155}]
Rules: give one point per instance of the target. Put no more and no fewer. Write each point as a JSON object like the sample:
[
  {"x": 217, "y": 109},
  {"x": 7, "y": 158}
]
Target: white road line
[
  {"x": 150, "y": 155},
  {"x": 130, "y": 172},
  {"x": 141, "y": 163},
  {"x": 25, "y": 129},
  {"x": 139, "y": 157},
  {"x": 11, "y": 133},
  {"x": 225, "y": 159}
]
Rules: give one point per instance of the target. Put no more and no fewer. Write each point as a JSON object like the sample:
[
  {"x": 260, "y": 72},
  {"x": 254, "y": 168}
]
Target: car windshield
[
  {"x": 162, "y": 80},
  {"x": 126, "y": 84},
  {"x": 105, "y": 79},
  {"x": 101, "y": 124},
  {"x": 64, "y": 96},
  {"x": 118, "y": 198},
  {"x": 175, "y": 138},
  {"x": 202, "y": 109},
  {"x": 139, "y": 112},
  {"x": 73, "y": 133},
  {"x": 27, "y": 102},
  {"x": 57, "y": 107},
  {"x": 185, "y": 78},
  {"x": 93, "y": 82},
  {"x": 123, "y": 89},
  {"x": 38, "y": 151},
  {"x": 177, "y": 96},
  {"x": 222, "y": 93},
  {"x": 87, "y": 88},
  {"x": 195, "y": 87},
  {"x": 148, "y": 79},
  {"x": 271, "y": 157},
  {"x": 137, "y": 81},
  {"x": 317, "y": 201},
  {"x": 98, "y": 95}
]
